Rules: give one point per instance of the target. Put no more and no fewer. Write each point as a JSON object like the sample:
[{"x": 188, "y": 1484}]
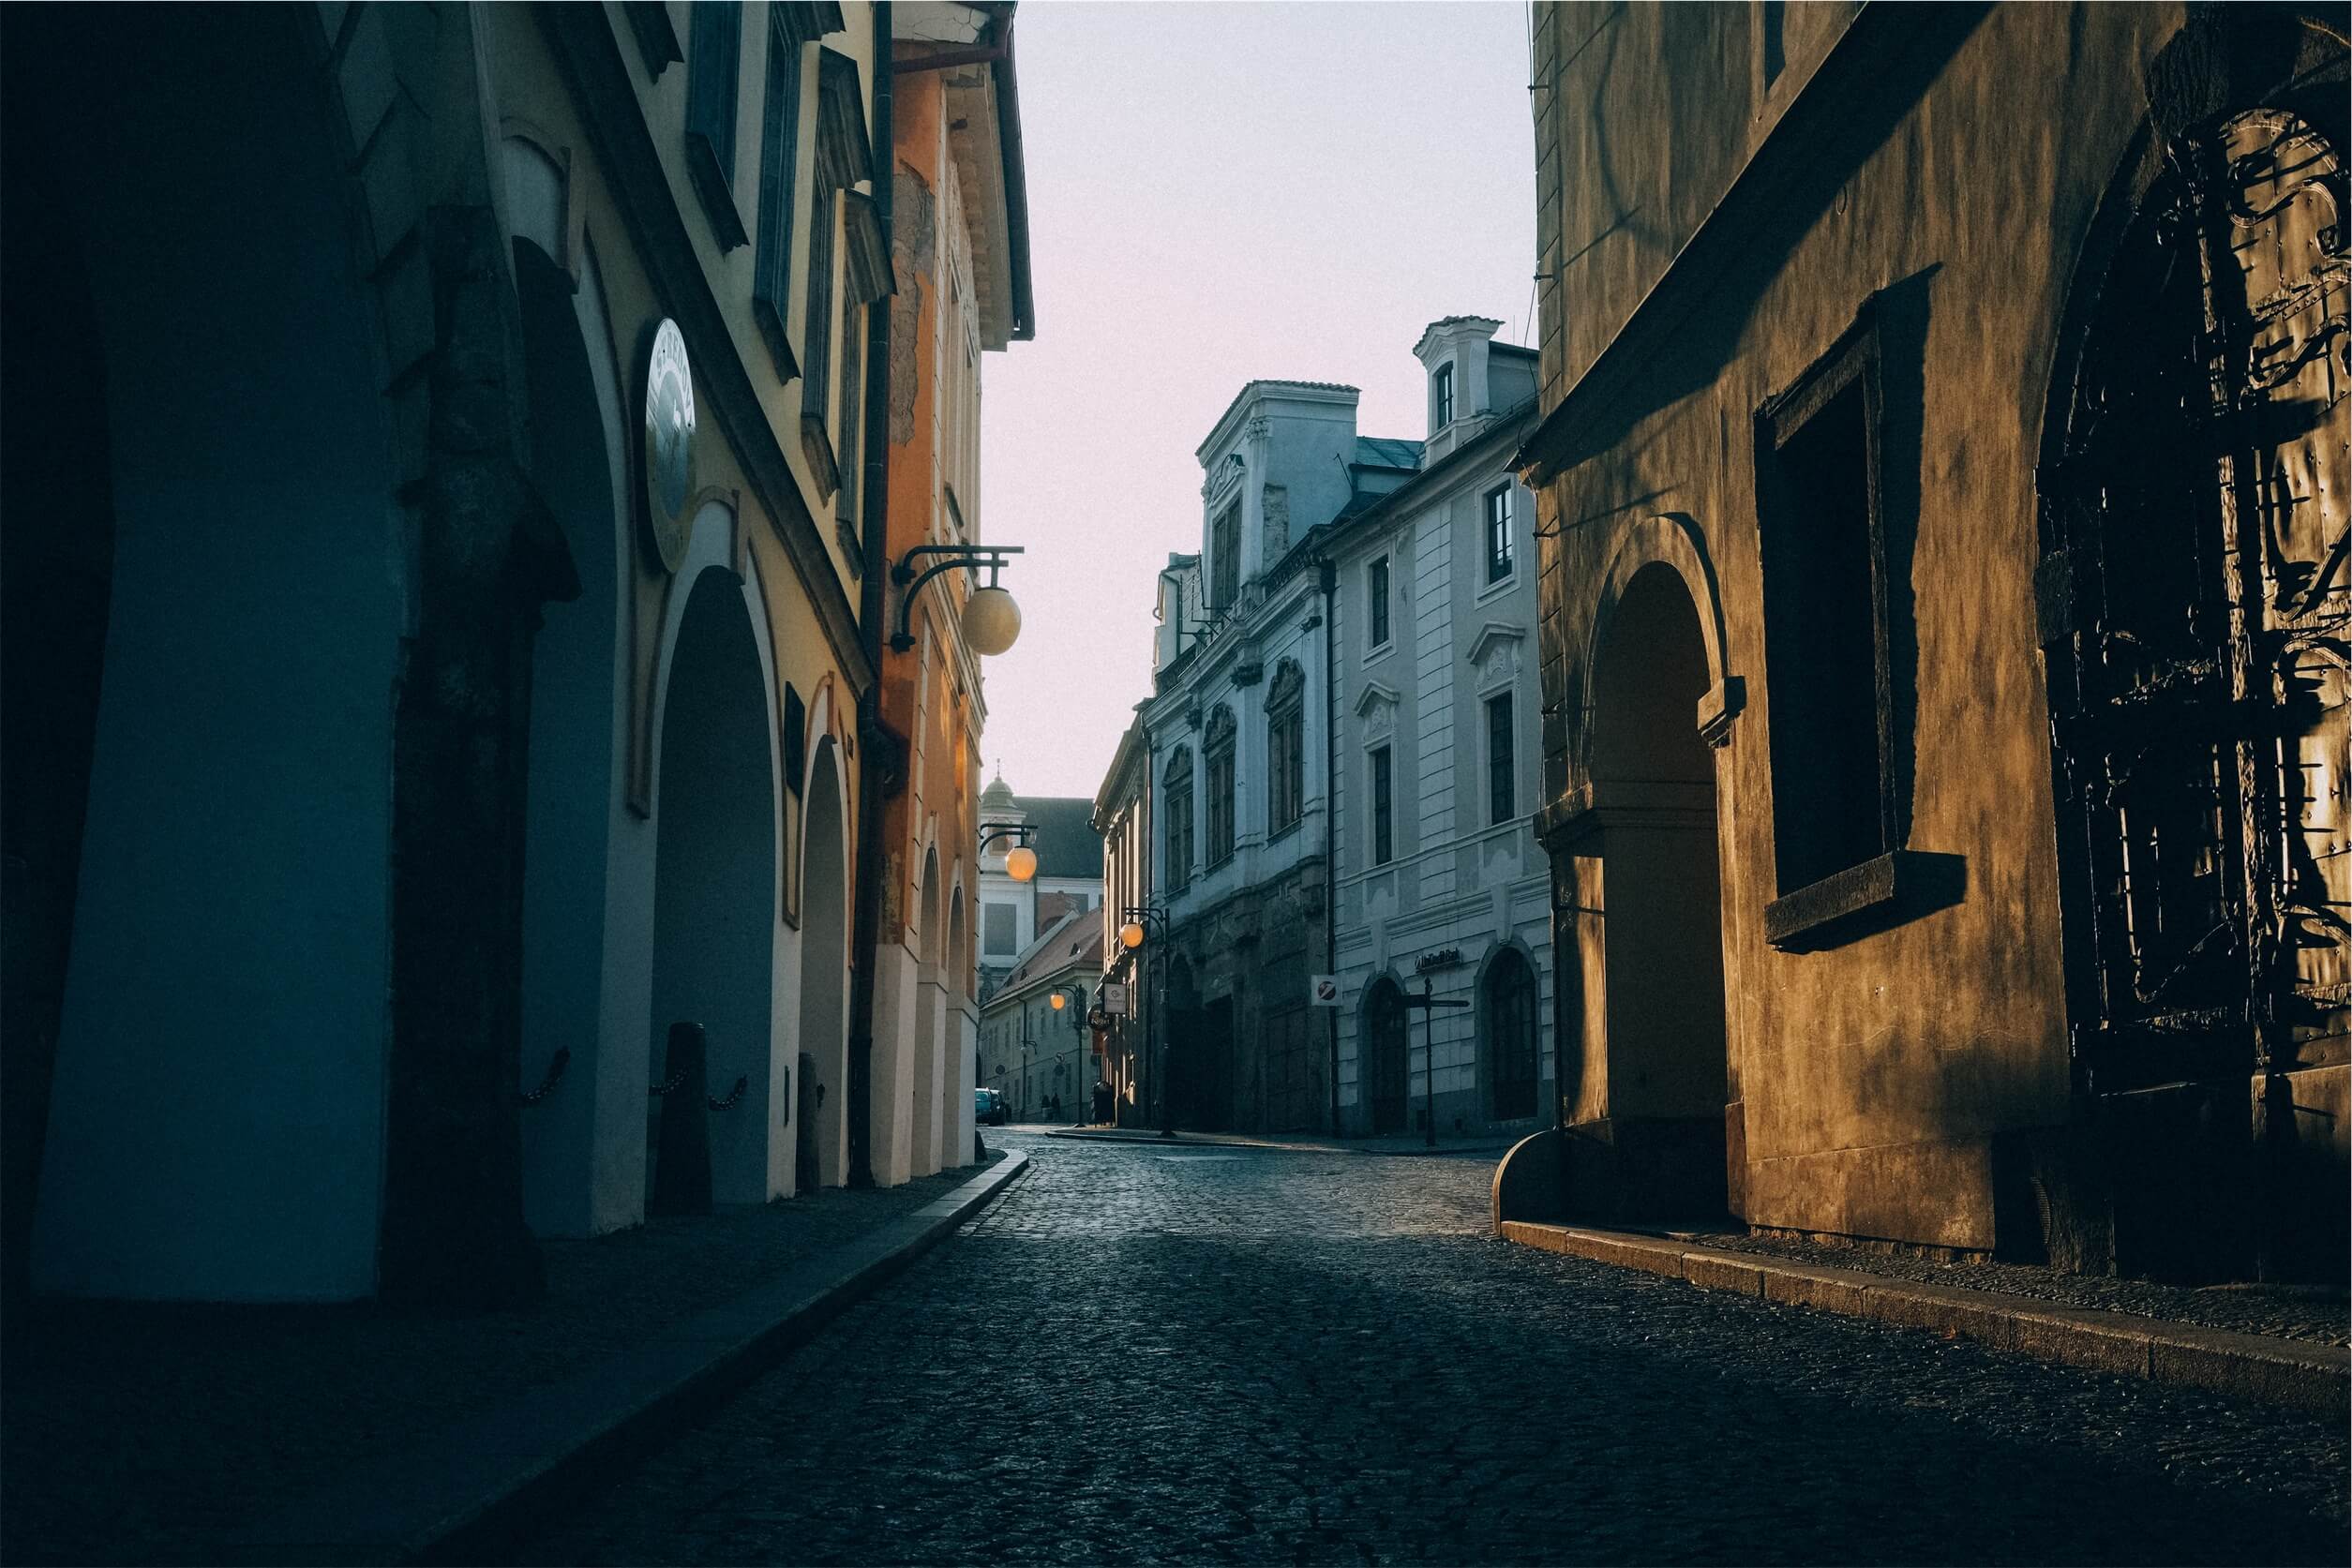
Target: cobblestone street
[{"x": 1147, "y": 1355}]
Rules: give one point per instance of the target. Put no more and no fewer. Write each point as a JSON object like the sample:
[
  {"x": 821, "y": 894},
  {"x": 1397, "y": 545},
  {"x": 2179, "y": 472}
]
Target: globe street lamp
[
  {"x": 1021, "y": 863},
  {"x": 991, "y": 620},
  {"x": 1137, "y": 923}
]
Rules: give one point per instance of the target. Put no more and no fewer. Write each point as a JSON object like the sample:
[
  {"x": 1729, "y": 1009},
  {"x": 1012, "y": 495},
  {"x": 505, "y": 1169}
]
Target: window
[
  {"x": 1176, "y": 808},
  {"x": 1502, "y": 800},
  {"x": 1224, "y": 546},
  {"x": 711, "y": 80},
  {"x": 1376, "y": 600},
  {"x": 843, "y": 156},
  {"x": 998, "y": 926},
  {"x": 788, "y": 28},
  {"x": 1508, "y": 997},
  {"x": 1498, "y": 533},
  {"x": 1285, "y": 749},
  {"x": 1383, "y": 808},
  {"x": 1217, "y": 752},
  {"x": 1442, "y": 397},
  {"x": 1825, "y": 640}
]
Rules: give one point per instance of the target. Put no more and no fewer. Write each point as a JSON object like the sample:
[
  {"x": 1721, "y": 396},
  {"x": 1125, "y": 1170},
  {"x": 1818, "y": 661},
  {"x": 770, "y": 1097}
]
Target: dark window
[
  {"x": 843, "y": 158},
  {"x": 1502, "y": 800},
  {"x": 1176, "y": 807},
  {"x": 998, "y": 926},
  {"x": 788, "y": 28},
  {"x": 1383, "y": 808},
  {"x": 1217, "y": 753},
  {"x": 1376, "y": 600},
  {"x": 1498, "y": 533},
  {"x": 1442, "y": 397},
  {"x": 795, "y": 738},
  {"x": 1511, "y": 1042},
  {"x": 1825, "y": 643},
  {"x": 1224, "y": 545},
  {"x": 712, "y": 82},
  {"x": 1285, "y": 749}
]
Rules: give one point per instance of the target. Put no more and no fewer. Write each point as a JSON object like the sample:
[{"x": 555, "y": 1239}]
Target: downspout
[
  {"x": 1330, "y": 583},
  {"x": 883, "y": 767}
]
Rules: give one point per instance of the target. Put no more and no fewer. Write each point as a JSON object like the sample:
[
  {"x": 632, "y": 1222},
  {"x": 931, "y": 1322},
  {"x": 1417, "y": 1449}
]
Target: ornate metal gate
[{"x": 2196, "y": 616}]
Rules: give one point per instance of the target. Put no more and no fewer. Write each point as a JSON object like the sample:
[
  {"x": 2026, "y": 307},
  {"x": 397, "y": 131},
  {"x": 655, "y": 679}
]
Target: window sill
[
  {"x": 1498, "y": 586},
  {"x": 1864, "y": 899},
  {"x": 718, "y": 197},
  {"x": 1285, "y": 830},
  {"x": 1374, "y": 655}
]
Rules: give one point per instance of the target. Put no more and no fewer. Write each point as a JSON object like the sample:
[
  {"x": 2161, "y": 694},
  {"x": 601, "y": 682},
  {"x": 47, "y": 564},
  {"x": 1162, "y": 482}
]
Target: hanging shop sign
[{"x": 670, "y": 440}]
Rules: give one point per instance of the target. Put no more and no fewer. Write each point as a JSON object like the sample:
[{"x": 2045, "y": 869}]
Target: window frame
[
  {"x": 1219, "y": 830},
  {"x": 1502, "y": 565},
  {"x": 1442, "y": 397},
  {"x": 1285, "y": 750},
  {"x": 1224, "y": 543},
  {"x": 1503, "y": 770},
  {"x": 1378, "y": 590},
  {"x": 1381, "y": 793},
  {"x": 715, "y": 69},
  {"x": 788, "y": 33},
  {"x": 1849, "y": 366},
  {"x": 1176, "y": 793}
]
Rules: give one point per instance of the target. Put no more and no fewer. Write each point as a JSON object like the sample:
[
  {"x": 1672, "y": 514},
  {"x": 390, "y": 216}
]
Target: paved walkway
[
  {"x": 160, "y": 1433},
  {"x": 1198, "y": 1354},
  {"x": 1405, "y": 1144}
]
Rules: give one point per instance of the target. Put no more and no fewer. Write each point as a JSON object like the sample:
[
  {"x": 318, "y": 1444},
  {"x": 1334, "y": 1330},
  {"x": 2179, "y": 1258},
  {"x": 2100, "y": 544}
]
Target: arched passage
[
  {"x": 1386, "y": 1052},
  {"x": 715, "y": 900},
  {"x": 1508, "y": 1034},
  {"x": 572, "y": 787},
  {"x": 824, "y": 1100},
  {"x": 963, "y": 1063},
  {"x": 926, "y": 1081},
  {"x": 216, "y": 1120},
  {"x": 1660, "y": 903}
]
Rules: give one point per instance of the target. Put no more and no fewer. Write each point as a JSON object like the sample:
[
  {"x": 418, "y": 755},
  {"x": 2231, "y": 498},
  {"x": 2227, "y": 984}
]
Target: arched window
[
  {"x": 1175, "y": 811},
  {"x": 1382, "y": 1063},
  {"x": 1285, "y": 749},
  {"x": 1508, "y": 999},
  {"x": 1217, "y": 752}
]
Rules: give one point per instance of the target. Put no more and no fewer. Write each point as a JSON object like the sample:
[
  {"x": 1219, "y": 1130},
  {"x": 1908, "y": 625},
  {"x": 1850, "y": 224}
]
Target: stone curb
[
  {"x": 483, "y": 1483},
  {"x": 1198, "y": 1140},
  {"x": 2247, "y": 1365}
]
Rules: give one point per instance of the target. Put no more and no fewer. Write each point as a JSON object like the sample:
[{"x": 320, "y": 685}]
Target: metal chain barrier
[
  {"x": 732, "y": 1095},
  {"x": 556, "y": 1064}
]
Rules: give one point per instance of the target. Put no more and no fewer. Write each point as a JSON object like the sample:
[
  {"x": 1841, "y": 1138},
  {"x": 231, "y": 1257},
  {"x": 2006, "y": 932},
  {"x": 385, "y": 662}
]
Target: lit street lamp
[
  {"x": 991, "y": 620},
  {"x": 1021, "y": 863},
  {"x": 1137, "y": 921}
]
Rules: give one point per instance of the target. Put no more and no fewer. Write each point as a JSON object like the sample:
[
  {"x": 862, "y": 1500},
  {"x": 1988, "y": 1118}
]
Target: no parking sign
[{"x": 1323, "y": 989}]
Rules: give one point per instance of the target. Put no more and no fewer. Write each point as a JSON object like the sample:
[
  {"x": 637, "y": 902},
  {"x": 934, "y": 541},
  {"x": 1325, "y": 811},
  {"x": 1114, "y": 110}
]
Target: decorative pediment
[
  {"x": 1492, "y": 635},
  {"x": 1374, "y": 699}
]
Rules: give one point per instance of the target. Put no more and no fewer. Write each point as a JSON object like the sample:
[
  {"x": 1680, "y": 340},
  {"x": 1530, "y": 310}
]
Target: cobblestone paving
[{"x": 1194, "y": 1356}]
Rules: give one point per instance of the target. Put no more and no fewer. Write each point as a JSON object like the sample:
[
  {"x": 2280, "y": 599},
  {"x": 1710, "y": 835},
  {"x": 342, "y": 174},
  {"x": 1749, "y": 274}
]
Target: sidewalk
[
  {"x": 2279, "y": 1345},
  {"x": 141, "y": 1432},
  {"x": 1407, "y": 1143}
]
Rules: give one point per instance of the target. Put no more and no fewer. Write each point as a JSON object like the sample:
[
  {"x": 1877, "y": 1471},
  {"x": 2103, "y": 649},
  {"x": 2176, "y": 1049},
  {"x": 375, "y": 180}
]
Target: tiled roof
[
  {"x": 1076, "y": 938},
  {"x": 1066, "y": 842},
  {"x": 1381, "y": 453}
]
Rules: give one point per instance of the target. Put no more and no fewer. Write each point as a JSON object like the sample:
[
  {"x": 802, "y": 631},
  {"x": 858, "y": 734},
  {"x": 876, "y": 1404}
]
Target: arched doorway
[
  {"x": 925, "y": 1083},
  {"x": 2194, "y": 520},
  {"x": 714, "y": 894},
  {"x": 823, "y": 1107},
  {"x": 1506, "y": 1001},
  {"x": 1387, "y": 1056},
  {"x": 1660, "y": 904},
  {"x": 573, "y": 786},
  {"x": 963, "y": 1063},
  {"x": 1179, "y": 1041},
  {"x": 203, "y": 918}
]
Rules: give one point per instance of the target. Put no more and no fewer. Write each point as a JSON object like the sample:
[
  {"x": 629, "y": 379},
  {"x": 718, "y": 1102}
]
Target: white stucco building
[
  {"x": 1439, "y": 736},
  {"x": 1012, "y": 914}
]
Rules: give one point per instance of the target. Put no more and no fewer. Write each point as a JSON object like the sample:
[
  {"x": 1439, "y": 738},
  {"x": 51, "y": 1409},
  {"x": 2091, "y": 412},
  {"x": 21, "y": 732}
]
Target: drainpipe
[
  {"x": 882, "y": 764},
  {"x": 1330, "y": 583}
]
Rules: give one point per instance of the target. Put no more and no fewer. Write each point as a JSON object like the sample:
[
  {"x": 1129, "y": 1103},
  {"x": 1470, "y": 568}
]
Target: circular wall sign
[{"x": 669, "y": 446}]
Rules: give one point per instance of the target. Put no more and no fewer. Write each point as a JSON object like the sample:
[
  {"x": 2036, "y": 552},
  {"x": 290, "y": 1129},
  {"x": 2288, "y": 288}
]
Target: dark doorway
[
  {"x": 1507, "y": 997},
  {"x": 1387, "y": 1055},
  {"x": 1660, "y": 906}
]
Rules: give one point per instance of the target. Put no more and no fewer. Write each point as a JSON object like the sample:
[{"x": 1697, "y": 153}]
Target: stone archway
[
  {"x": 714, "y": 896},
  {"x": 215, "y": 903},
  {"x": 962, "y": 1067},
  {"x": 1654, "y": 909},
  {"x": 926, "y": 1081},
  {"x": 573, "y": 794},
  {"x": 824, "y": 1102}
]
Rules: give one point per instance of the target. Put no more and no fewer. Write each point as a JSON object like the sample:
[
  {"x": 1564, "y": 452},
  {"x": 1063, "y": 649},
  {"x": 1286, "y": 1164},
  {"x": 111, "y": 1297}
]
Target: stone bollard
[{"x": 682, "y": 1168}]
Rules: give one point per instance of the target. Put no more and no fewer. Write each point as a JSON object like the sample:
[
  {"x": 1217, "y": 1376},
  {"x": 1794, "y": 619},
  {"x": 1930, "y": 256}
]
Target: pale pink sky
[{"x": 1220, "y": 193}]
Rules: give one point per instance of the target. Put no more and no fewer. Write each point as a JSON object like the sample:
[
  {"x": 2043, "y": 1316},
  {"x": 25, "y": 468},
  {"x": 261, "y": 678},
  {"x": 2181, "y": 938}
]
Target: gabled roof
[
  {"x": 1065, "y": 943},
  {"x": 1064, "y": 836}
]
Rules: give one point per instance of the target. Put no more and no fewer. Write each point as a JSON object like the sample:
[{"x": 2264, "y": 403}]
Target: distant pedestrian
[{"x": 1101, "y": 1103}]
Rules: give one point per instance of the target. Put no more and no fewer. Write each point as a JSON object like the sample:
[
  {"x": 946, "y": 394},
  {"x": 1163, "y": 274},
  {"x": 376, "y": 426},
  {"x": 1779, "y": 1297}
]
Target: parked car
[{"x": 988, "y": 1105}]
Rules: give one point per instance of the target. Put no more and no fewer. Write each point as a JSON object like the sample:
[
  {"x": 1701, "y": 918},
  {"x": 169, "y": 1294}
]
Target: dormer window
[
  {"x": 1442, "y": 397},
  {"x": 1224, "y": 553}
]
